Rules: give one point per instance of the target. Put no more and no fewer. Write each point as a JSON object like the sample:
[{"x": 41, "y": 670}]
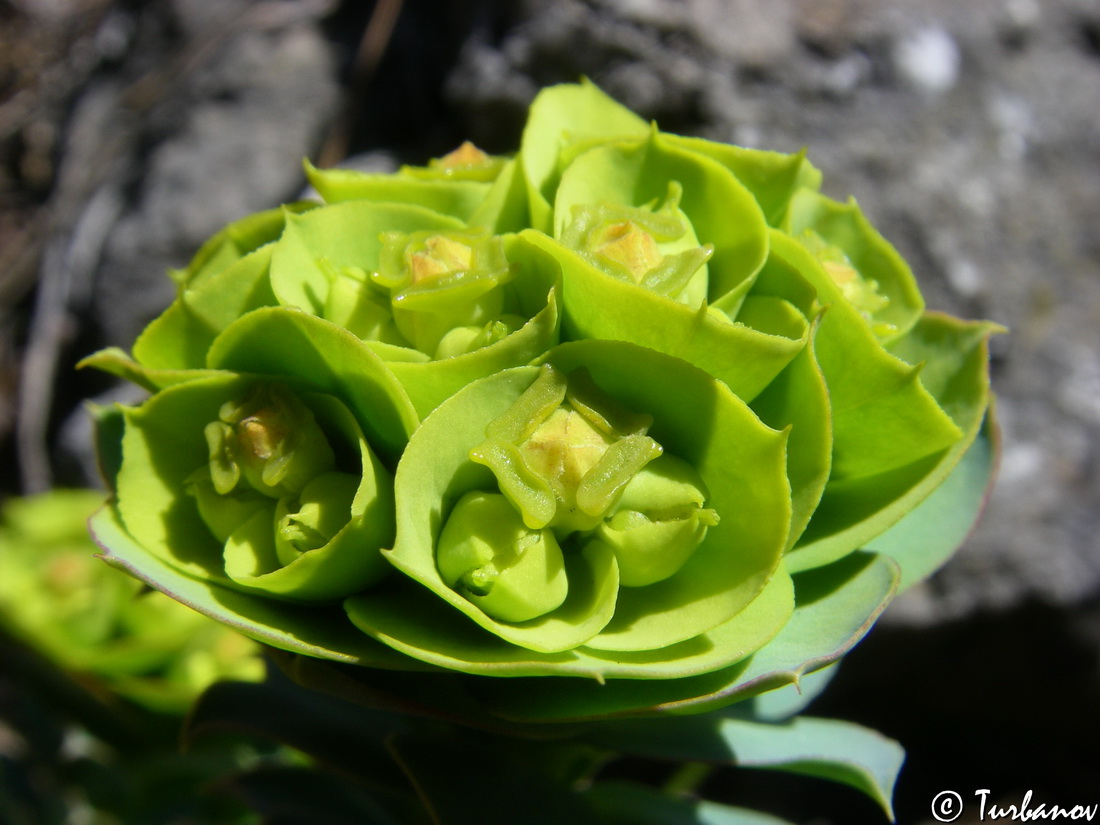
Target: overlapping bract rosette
[{"x": 643, "y": 422}]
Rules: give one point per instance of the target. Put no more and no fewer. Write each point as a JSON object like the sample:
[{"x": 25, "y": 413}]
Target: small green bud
[
  {"x": 440, "y": 281},
  {"x": 659, "y": 521},
  {"x": 311, "y": 519},
  {"x": 270, "y": 439},
  {"x": 462, "y": 340},
  {"x": 223, "y": 513},
  {"x": 486, "y": 553}
]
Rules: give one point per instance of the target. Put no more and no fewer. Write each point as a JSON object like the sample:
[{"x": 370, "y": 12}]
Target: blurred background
[{"x": 967, "y": 129}]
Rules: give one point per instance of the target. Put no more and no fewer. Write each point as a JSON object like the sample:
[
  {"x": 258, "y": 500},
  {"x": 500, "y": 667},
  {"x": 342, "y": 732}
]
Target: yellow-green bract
[{"x": 623, "y": 417}]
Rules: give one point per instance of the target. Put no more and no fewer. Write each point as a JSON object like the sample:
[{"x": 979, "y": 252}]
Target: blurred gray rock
[{"x": 225, "y": 137}]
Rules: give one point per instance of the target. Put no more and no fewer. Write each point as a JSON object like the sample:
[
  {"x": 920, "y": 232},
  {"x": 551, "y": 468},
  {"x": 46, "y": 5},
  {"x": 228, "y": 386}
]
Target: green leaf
[
  {"x": 955, "y": 357},
  {"x": 884, "y": 415},
  {"x": 236, "y": 241},
  {"x": 341, "y": 235},
  {"x": 799, "y": 399},
  {"x": 457, "y": 198},
  {"x": 598, "y": 305},
  {"x": 561, "y": 115},
  {"x": 179, "y": 338},
  {"x": 771, "y": 177},
  {"x": 626, "y": 803},
  {"x": 826, "y": 748},
  {"x": 409, "y": 622},
  {"x": 927, "y": 537},
  {"x": 282, "y": 341},
  {"x": 699, "y": 420},
  {"x": 696, "y": 418},
  {"x": 721, "y": 211},
  {"x": 537, "y": 288},
  {"x": 844, "y": 225}
]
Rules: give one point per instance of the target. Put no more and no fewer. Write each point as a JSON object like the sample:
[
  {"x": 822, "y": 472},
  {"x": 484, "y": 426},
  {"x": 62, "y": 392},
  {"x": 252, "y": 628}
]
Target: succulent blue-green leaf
[
  {"x": 312, "y": 630},
  {"x": 783, "y": 703},
  {"x": 721, "y": 211},
  {"x": 884, "y": 414},
  {"x": 598, "y": 305},
  {"x": 345, "y": 234},
  {"x": 771, "y": 177},
  {"x": 843, "y": 225},
  {"x": 561, "y": 115},
  {"x": 283, "y": 341},
  {"x": 628, "y": 803},
  {"x": 955, "y": 358},
  {"x": 835, "y": 606},
  {"x": 826, "y": 748},
  {"x": 537, "y": 289}
]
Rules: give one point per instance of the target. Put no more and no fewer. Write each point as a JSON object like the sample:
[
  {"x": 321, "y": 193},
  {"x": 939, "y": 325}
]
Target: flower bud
[
  {"x": 440, "y": 281},
  {"x": 314, "y": 517},
  {"x": 655, "y": 249},
  {"x": 223, "y": 513},
  {"x": 564, "y": 451},
  {"x": 462, "y": 340},
  {"x": 270, "y": 439},
  {"x": 658, "y": 522},
  {"x": 487, "y": 554},
  {"x": 862, "y": 293}
]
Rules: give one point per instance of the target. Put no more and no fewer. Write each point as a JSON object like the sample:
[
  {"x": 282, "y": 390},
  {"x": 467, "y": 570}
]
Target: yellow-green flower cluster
[{"x": 627, "y": 408}]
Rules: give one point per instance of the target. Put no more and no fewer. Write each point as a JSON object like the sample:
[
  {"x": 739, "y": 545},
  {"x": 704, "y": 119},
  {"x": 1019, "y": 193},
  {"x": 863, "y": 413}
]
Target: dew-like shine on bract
[{"x": 620, "y": 416}]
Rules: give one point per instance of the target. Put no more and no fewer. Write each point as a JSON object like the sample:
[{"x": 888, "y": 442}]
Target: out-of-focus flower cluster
[{"x": 106, "y": 629}]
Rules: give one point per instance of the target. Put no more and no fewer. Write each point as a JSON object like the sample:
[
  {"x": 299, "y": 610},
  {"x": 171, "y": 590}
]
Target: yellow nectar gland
[
  {"x": 260, "y": 434},
  {"x": 440, "y": 256},
  {"x": 630, "y": 246},
  {"x": 465, "y": 156},
  {"x": 563, "y": 449}
]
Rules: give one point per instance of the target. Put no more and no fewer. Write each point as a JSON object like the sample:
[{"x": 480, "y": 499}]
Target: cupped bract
[{"x": 667, "y": 499}]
